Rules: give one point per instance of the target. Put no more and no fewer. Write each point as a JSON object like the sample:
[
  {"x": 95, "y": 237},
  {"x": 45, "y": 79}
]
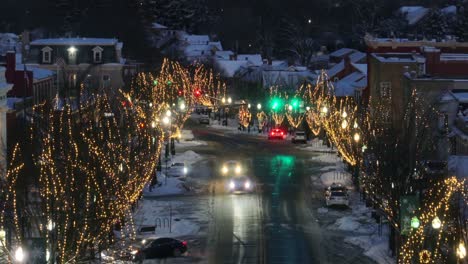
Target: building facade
[{"x": 95, "y": 63}]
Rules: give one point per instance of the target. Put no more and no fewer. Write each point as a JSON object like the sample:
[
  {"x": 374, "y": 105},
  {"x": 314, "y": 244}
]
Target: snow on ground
[
  {"x": 316, "y": 145},
  {"x": 188, "y": 157},
  {"x": 169, "y": 222},
  {"x": 187, "y": 140},
  {"x": 166, "y": 186},
  {"x": 336, "y": 176},
  {"x": 375, "y": 246}
]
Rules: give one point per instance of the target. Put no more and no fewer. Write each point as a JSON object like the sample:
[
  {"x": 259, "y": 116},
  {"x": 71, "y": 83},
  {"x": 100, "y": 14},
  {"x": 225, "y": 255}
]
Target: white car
[
  {"x": 177, "y": 170},
  {"x": 242, "y": 184},
  {"x": 336, "y": 194},
  {"x": 231, "y": 167},
  {"x": 204, "y": 120},
  {"x": 299, "y": 136}
]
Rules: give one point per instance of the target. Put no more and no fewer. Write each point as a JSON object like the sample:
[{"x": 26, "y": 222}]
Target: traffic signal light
[
  {"x": 276, "y": 104},
  {"x": 197, "y": 93},
  {"x": 295, "y": 102}
]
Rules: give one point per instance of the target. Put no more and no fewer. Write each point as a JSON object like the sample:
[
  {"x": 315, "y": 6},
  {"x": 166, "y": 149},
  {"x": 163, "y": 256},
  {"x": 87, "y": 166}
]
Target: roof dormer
[{"x": 97, "y": 54}]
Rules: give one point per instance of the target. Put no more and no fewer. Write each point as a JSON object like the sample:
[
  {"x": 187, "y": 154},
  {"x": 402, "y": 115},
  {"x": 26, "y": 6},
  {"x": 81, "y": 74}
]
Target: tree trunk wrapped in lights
[
  {"x": 244, "y": 116},
  {"x": 92, "y": 165},
  {"x": 262, "y": 119}
]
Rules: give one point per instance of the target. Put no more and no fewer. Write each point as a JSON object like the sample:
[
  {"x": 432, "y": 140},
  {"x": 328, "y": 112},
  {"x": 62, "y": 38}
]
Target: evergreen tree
[
  {"x": 461, "y": 23},
  {"x": 183, "y": 14},
  {"x": 434, "y": 25}
]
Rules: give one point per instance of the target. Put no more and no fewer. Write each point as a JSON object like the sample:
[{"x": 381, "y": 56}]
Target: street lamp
[
  {"x": 344, "y": 124},
  {"x": 19, "y": 254},
  {"x": 229, "y": 100},
  {"x": 436, "y": 223},
  {"x": 308, "y": 108},
  {"x": 357, "y": 137},
  {"x": 223, "y": 100},
  {"x": 324, "y": 110},
  {"x": 248, "y": 106},
  {"x": 290, "y": 107},
  {"x": 259, "y": 106},
  {"x": 166, "y": 120},
  {"x": 461, "y": 250},
  {"x": 150, "y": 104},
  {"x": 168, "y": 113},
  {"x": 182, "y": 106},
  {"x": 72, "y": 50}
]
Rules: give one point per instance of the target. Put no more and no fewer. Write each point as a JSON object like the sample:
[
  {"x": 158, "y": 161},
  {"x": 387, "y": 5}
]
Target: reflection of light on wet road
[{"x": 246, "y": 231}]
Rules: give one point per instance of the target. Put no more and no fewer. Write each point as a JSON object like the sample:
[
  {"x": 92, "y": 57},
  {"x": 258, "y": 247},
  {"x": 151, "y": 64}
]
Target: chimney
[
  {"x": 25, "y": 40},
  {"x": 432, "y": 56},
  {"x": 347, "y": 65},
  {"x": 10, "y": 66}
]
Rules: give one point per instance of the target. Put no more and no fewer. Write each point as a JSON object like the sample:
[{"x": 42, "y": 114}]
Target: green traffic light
[
  {"x": 276, "y": 103},
  {"x": 295, "y": 103}
]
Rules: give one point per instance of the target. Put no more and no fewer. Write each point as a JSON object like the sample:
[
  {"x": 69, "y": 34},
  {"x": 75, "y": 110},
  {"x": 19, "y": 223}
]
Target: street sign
[{"x": 408, "y": 205}]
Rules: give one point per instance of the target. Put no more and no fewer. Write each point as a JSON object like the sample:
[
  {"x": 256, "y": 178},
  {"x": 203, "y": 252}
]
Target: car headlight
[
  {"x": 247, "y": 185},
  {"x": 224, "y": 170},
  {"x": 185, "y": 170},
  {"x": 238, "y": 169},
  {"x": 134, "y": 252},
  {"x": 232, "y": 185}
]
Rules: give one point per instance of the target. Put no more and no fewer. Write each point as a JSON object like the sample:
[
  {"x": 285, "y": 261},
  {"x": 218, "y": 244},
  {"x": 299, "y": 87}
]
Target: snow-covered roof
[
  {"x": 347, "y": 85},
  {"x": 215, "y": 44},
  {"x": 357, "y": 56},
  {"x": 337, "y": 68},
  {"x": 158, "y": 26},
  {"x": 361, "y": 67},
  {"x": 76, "y": 41},
  {"x": 461, "y": 97},
  {"x": 454, "y": 57},
  {"x": 229, "y": 68},
  {"x": 255, "y": 59},
  {"x": 449, "y": 10},
  {"x": 341, "y": 52},
  {"x": 196, "y": 39},
  {"x": 413, "y": 14},
  {"x": 11, "y": 101},
  {"x": 38, "y": 73},
  {"x": 223, "y": 54}
]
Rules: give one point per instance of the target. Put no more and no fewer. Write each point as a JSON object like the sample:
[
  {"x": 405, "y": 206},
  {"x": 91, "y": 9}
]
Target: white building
[{"x": 4, "y": 88}]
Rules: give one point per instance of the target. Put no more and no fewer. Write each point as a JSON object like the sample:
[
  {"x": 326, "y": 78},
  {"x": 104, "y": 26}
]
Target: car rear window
[{"x": 338, "y": 194}]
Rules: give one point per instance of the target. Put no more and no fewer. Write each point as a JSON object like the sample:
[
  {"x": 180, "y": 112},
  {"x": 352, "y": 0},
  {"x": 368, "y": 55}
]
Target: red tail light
[
  {"x": 184, "y": 243},
  {"x": 281, "y": 133}
]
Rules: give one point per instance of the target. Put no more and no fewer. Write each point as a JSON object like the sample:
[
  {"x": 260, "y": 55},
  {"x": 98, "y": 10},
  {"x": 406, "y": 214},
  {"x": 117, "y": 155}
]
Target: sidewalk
[{"x": 357, "y": 223}]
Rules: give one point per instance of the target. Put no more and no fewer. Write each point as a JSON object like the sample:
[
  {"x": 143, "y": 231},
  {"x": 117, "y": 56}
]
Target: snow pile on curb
[
  {"x": 188, "y": 157},
  {"x": 169, "y": 186},
  {"x": 375, "y": 247},
  {"x": 187, "y": 140},
  {"x": 327, "y": 158},
  {"x": 339, "y": 177}
]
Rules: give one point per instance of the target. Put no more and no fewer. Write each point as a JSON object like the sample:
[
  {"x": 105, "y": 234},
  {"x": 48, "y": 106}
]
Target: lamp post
[{"x": 167, "y": 122}]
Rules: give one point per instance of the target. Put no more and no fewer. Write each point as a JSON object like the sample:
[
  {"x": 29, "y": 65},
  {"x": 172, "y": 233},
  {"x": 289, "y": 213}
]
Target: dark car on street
[{"x": 160, "y": 248}]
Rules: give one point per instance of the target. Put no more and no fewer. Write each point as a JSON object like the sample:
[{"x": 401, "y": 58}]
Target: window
[
  {"x": 385, "y": 89},
  {"x": 105, "y": 77},
  {"x": 421, "y": 69},
  {"x": 202, "y": 52},
  {"x": 46, "y": 55},
  {"x": 97, "y": 54},
  {"x": 105, "y": 81}
]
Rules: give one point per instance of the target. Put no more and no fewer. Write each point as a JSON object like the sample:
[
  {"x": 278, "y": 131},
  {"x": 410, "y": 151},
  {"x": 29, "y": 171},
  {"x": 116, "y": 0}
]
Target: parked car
[
  {"x": 299, "y": 136},
  {"x": 160, "y": 248},
  {"x": 204, "y": 120},
  {"x": 277, "y": 133},
  {"x": 242, "y": 184},
  {"x": 177, "y": 169},
  {"x": 336, "y": 194}
]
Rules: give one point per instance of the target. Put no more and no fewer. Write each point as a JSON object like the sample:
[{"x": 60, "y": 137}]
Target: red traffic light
[{"x": 197, "y": 93}]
